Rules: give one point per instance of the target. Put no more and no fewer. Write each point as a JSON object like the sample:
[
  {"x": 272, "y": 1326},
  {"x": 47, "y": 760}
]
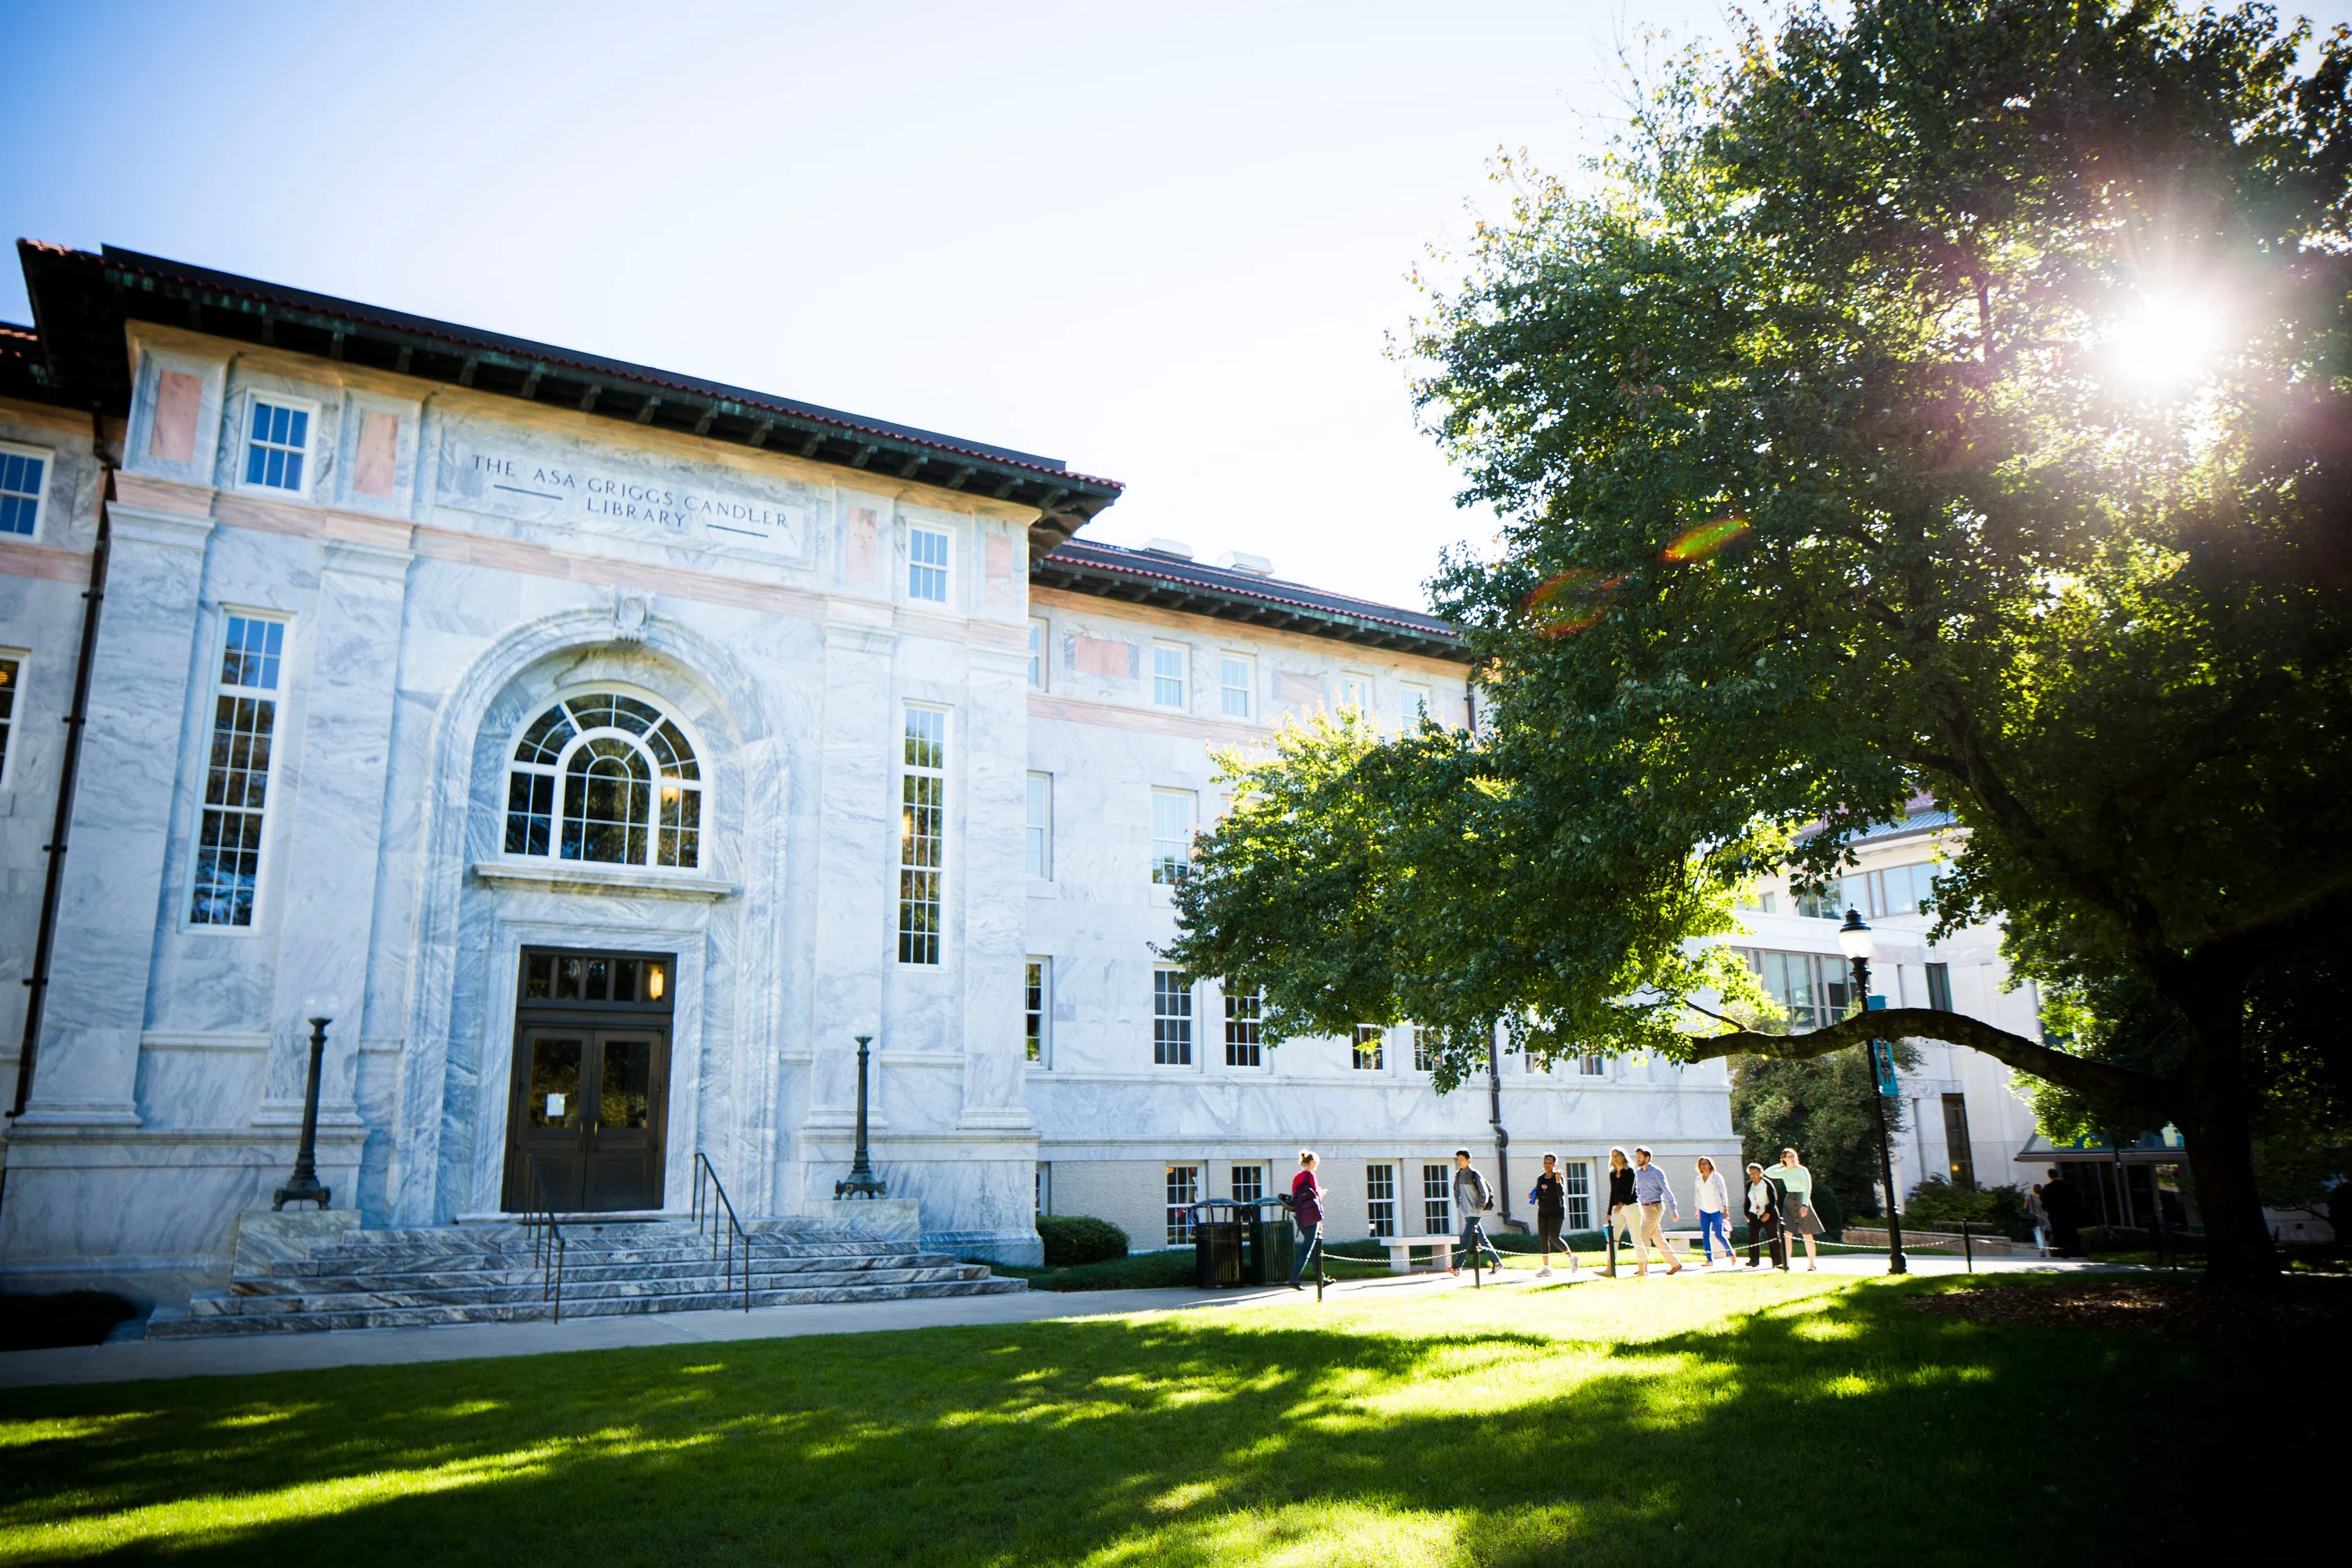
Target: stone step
[
  {"x": 233, "y": 1302},
  {"x": 592, "y": 1270},
  {"x": 350, "y": 1257},
  {"x": 170, "y": 1322}
]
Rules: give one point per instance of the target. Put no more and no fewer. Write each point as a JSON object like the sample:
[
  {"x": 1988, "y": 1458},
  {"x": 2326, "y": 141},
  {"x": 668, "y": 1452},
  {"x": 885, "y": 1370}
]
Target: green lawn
[{"x": 1727, "y": 1421}]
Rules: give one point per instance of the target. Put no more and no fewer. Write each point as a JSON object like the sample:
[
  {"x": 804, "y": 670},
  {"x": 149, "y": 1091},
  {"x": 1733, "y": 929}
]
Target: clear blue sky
[{"x": 1164, "y": 243}]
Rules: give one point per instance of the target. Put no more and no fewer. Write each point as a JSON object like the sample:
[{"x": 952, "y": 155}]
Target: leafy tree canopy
[{"x": 1942, "y": 397}]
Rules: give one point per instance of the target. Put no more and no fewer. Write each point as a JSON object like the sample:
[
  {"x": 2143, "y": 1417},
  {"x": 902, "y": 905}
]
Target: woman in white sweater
[{"x": 1713, "y": 1210}]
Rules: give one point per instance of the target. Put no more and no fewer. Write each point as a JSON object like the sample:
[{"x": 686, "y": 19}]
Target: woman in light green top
[{"x": 1797, "y": 1208}]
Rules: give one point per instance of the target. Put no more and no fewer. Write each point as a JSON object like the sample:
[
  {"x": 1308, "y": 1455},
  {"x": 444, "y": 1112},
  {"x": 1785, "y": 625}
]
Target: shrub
[
  {"x": 1074, "y": 1239},
  {"x": 1936, "y": 1202}
]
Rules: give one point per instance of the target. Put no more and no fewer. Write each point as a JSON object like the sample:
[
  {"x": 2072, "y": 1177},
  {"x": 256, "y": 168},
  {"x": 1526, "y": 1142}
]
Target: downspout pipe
[
  {"x": 1502, "y": 1137},
  {"x": 45, "y": 942}
]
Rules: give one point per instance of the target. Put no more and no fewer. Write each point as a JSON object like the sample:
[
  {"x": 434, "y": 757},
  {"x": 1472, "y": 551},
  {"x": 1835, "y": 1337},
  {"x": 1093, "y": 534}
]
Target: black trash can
[
  {"x": 1216, "y": 1245},
  {"x": 1273, "y": 1246}
]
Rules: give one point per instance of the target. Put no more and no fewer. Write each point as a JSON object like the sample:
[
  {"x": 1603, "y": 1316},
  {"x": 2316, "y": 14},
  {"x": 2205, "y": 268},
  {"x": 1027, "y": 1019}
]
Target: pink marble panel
[
  {"x": 179, "y": 396},
  {"x": 378, "y": 454},
  {"x": 1101, "y": 656},
  {"x": 863, "y": 527},
  {"x": 998, "y": 552}
]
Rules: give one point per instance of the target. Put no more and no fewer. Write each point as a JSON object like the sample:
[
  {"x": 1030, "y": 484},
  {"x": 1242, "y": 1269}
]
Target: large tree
[{"x": 1942, "y": 396}]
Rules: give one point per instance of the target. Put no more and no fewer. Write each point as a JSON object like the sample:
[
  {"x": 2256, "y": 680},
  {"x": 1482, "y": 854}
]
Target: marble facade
[{"x": 454, "y": 561}]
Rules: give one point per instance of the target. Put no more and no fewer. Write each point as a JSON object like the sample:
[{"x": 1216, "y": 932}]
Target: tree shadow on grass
[{"x": 1832, "y": 1422}]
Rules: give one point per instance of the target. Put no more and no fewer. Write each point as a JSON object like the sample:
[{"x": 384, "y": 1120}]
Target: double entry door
[{"x": 589, "y": 1096}]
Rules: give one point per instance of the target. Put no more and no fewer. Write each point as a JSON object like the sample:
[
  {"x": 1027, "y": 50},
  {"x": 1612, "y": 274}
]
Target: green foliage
[
  {"x": 1075, "y": 1239},
  {"x": 1937, "y": 1203},
  {"x": 1821, "y": 1109},
  {"x": 1825, "y": 484}
]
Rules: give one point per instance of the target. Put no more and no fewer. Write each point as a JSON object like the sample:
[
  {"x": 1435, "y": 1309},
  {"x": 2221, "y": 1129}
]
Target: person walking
[
  {"x": 1764, "y": 1217},
  {"x": 1656, "y": 1198},
  {"x": 1714, "y": 1204},
  {"x": 1797, "y": 1215},
  {"x": 2064, "y": 1205},
  {"x": 1306, "y": 1208},
  {"x": 1549, "y": 1197},
  {"x": 1472, "y": 1197},
  {"x": 2038, "y": 1217},
  {"x": 1624, "y": 1214}
]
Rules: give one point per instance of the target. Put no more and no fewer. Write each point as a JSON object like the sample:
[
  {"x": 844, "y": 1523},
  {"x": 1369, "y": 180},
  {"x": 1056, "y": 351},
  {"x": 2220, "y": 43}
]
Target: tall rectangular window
[
  {"x": 1413, "y": 701},
  {"x": 1039, "y": 829},
  {"x": 1183, "y": 1191},
  {"x": 1379, "y": 1198},
  {"x": 1369, "y": 1038},
  {"x": 22, "y": 474},
  {"x": 1037, "y": 654},
  {"x": 1436, "y": 1200},
  {"x": 1592, "y": 1064},
  {"x": 236, "y": 774},
  {"x": 1794, "y": 980},
  {"x": 11, "y": 669},
  {"x": 277, "y": 439},
  {"x": 922, "y": 834},
  {"x": 1174, "y": 812},
  {"x": 1425, "y": 1049},
  {"x": 926, "y": 566},
  {"x": 1249, "y": 1183},
  {"x": 1939, "y": 987},
  {"x": 1243, "y": 1012},
  {"x": 1037, "y": 1000},
  {"x": 1236, "y": 683},
  {"x": 1958, "y": 1152},
  {"x": 1576, "y": 1184},
  {"x": 1355, "y": 692},
  {"x": 1172, "y": 1018},
  {"x": 1168, "y": 674}
]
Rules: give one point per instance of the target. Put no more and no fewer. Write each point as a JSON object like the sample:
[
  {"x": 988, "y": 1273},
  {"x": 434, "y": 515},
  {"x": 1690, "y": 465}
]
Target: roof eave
[{"x": 1206, "y": 599}]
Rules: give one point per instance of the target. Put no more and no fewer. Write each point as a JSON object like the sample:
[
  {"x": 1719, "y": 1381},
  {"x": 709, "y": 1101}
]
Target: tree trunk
[{"x": 2238, "y": 1248}]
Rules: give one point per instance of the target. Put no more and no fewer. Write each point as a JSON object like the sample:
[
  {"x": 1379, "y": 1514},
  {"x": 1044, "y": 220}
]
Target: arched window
[{"x": 607, "y": 778}]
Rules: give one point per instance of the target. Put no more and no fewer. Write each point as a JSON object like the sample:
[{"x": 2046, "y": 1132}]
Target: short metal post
[
  {"x": 861, "y": 1182},
  {"x": 1967, "y": 1249},
  {"x": 303, "y": 1188},
  {"x": 1611, "y": 1235}
]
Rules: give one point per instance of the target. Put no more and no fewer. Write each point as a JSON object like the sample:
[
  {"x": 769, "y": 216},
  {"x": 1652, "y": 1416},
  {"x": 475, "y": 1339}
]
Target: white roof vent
[
  {"x": 1175, "y": 547},
  {"x": 1242, "y": 561}
]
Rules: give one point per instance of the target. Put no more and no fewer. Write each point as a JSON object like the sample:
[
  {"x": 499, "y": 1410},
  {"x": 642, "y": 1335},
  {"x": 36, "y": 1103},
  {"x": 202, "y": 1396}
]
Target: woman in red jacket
[{"x": 1306, "y": 1208}]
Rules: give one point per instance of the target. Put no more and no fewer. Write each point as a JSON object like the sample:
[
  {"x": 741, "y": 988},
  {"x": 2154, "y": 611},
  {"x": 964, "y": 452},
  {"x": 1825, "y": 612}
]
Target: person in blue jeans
[
  {"x": 1306, "y": 1208},
  {"x": 1714, "y": 1202},
  {"x": 1471, "y": 1197}
]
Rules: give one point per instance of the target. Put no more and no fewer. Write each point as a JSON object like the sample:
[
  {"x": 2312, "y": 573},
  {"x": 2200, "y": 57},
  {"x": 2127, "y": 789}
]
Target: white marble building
[{"x": 603, "y": 751}]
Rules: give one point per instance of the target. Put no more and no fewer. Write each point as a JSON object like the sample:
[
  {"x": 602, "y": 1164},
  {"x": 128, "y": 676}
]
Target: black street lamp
[
  {"x": 303, "y": 1186},
  {"x": 1855, "y": 938},
  {"x": 862, "y": 1181}
]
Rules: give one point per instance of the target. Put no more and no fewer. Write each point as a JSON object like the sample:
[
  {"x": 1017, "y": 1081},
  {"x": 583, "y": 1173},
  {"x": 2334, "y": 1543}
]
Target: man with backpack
[{"x": 1471, "y": 1197}]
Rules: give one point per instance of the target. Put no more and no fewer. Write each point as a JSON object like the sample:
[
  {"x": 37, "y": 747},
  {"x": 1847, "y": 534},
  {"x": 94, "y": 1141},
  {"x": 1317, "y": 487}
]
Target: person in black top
[
  {"x": 2064, "y": 1207},
  {"x": 1625, "y": 1210},
  {"x": 1764, "y": 1217},
  {"x": 1550, "y": 1198}
]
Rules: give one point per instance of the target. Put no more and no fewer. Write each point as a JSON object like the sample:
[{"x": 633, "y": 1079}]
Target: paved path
[{"x": 241, "y": 1356}]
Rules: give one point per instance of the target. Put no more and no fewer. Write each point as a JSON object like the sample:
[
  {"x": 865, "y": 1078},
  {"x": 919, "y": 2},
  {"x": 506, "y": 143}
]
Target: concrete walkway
[{"x": 243, "y": 1355}]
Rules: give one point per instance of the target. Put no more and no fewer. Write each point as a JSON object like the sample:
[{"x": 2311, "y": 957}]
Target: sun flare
[{"x": 2168, "y": 341}]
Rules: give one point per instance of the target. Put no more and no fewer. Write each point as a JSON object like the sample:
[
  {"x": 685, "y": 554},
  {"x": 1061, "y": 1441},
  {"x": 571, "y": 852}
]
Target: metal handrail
[
  {"x": 719, "y": 1206},
  {"x": 547, "y": 1246}
]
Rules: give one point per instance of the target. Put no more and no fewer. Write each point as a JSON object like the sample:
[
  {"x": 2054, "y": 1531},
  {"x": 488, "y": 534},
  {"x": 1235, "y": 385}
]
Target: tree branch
[{"x": 2081, "y": 1074}]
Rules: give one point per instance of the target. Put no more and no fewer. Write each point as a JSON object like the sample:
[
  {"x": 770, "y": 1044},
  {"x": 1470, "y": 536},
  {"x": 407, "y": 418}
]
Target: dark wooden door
[{"x": 588, "y": 1098}]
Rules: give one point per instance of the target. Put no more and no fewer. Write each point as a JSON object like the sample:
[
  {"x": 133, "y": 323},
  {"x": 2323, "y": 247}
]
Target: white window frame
[
  {"x": 47, "y": 458},
  {"x": 1189, "y": 992},
  {"x": 1577, "y": 1207},
  {"x": 1040, "y": 648},
  {"x": 944, "y": 773},
  {"x": 1436, "y": 1197},
  {"x": 1178, "y": 1215},
  {"x": 1380, "y": 1213},
  {"x": 1183, "y": 654},
  {"x": 1258, "y": 1168},
  {"x": 11, "y": 723},
  {"x": 704, "y": 784},
  {"x": 1037, "y": 826},
  {"x": 244, "y": 429},
  {"x": 1165, "y": 871},
  {"x": 1425, "y": 1042},
  {"x": 1253, "y": 1022},
  {"x": 1042, "y": 969},
  {"x": 945, "y": 568},
  {"x": 214, "y": 690},
  {"x": 1227, "y": 689},
  {"x": 1355, "y": 691},
  {"x": 1413, "y": 703}
]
